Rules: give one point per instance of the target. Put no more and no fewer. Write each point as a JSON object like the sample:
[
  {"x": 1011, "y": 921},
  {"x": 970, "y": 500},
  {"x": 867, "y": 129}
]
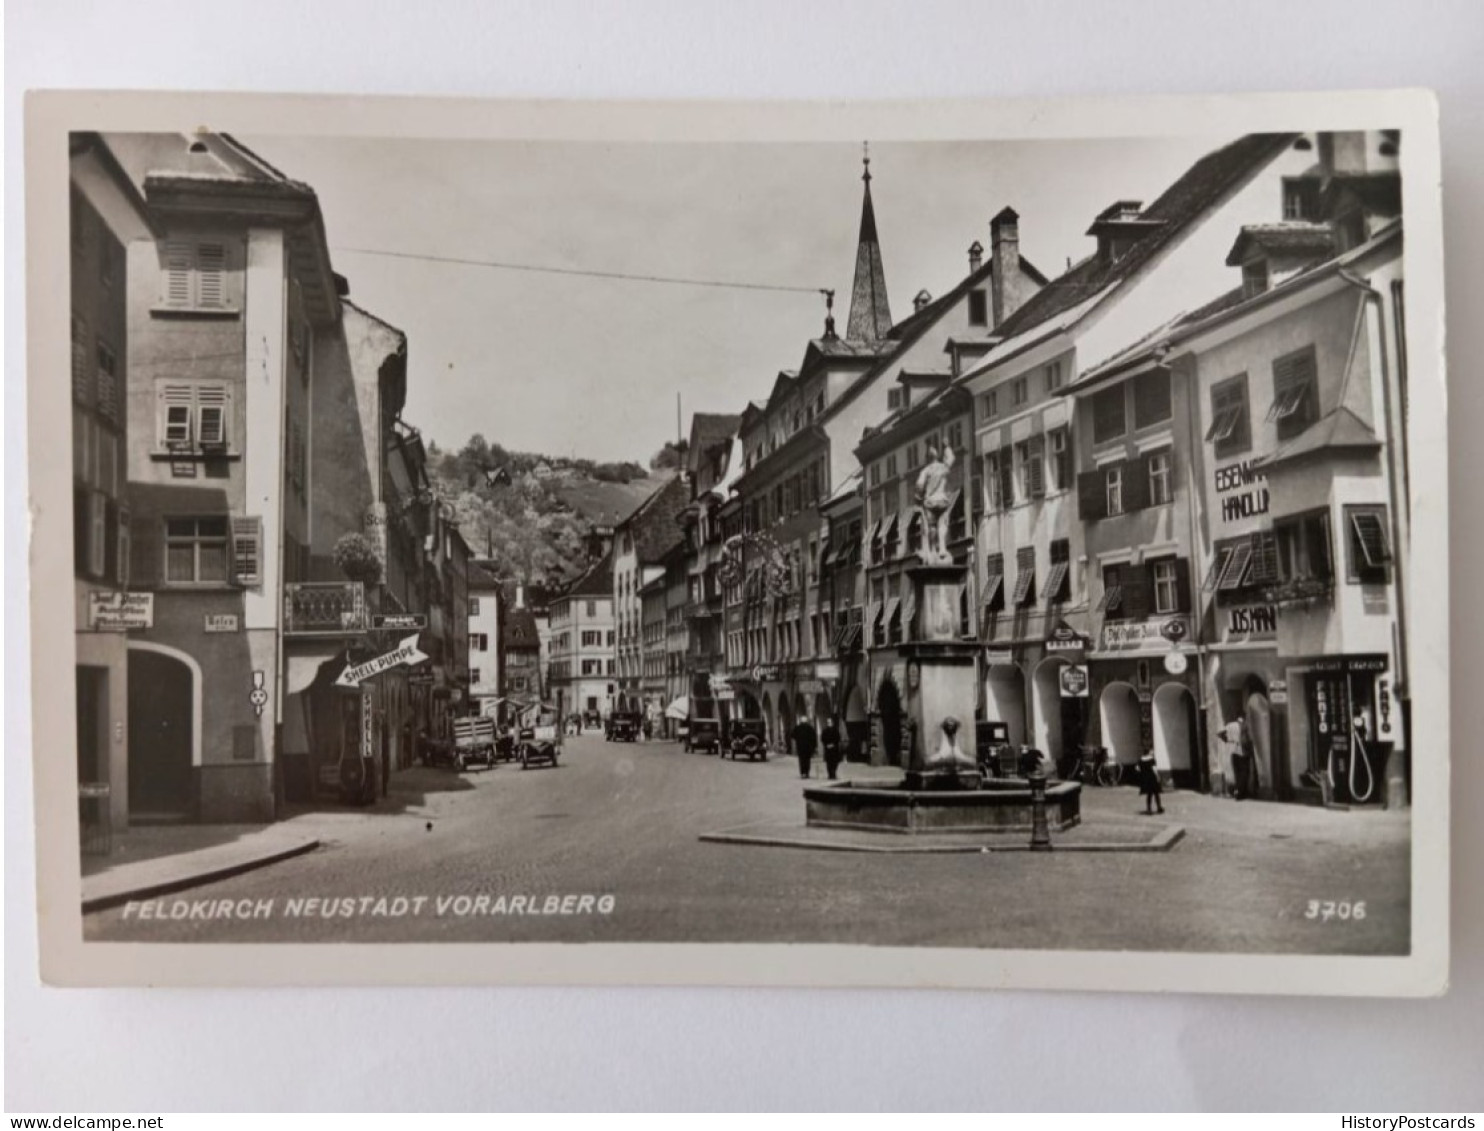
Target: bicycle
[{"x": 1093, "y": 766}]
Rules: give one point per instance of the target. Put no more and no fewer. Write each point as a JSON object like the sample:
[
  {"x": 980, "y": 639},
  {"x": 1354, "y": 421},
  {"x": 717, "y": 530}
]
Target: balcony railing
[{"x": 324, "y": 608}]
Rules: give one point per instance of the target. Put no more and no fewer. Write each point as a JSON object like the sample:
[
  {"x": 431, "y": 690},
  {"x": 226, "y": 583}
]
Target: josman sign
[{"x": 405, "y": 653}]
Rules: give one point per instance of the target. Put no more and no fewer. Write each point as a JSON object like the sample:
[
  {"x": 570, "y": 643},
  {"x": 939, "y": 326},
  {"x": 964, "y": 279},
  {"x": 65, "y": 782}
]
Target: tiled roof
[
  {"x": 1338, "y": 430},
  {"x": 596, "y": 582},
  {"x": 1292, "y": 237},
  {"x": 482, "y": 579},
  {"x": 1201, "y": 186},
  {"x": 710, "y": 428},
  {"x": 207, "y": 157},
  {"x": 519, "y": 630},
  {"x": 653, "y": 525}
]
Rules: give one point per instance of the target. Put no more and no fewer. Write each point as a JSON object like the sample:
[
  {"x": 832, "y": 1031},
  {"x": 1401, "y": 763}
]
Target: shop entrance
[
  {"x": 1060, "y": 722},
  {"x": 1122, "y": 733},
  {"x": 1004, "y": 700},
  {"x": 1176, "y": 729},
  {"x": 889, "y": 707},
  {"x": 161, "y": 736}
]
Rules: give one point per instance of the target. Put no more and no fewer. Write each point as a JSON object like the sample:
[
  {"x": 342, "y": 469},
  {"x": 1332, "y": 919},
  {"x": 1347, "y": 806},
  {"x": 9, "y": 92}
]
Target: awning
[
  {"x": 850, "y": 637},
  {"x": 893, "y": 611},
  {"x": 909, "y": 606},
  {"x": 889, "y": 528},
  {"x": 302, "y": 671},
  {"x": 992, "y": 585},
  {"x": 1055, "y": 580},
  {"x": 679, "y": 709},
  {"x": 1023, "y": 580}
]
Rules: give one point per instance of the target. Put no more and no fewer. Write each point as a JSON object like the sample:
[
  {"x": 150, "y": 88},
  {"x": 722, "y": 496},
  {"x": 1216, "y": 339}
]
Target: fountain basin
[{"x": 997, "y": 806}]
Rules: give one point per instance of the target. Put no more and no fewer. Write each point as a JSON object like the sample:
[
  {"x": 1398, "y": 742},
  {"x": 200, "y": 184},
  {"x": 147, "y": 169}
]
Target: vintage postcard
[{"x": 972, "y": 544}]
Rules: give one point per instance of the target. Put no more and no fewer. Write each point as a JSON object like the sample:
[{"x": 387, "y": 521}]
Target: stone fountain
[{"x": 943, "y": 789}]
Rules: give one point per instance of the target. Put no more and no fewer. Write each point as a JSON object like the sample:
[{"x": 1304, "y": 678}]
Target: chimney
[
  {"x": 976, "y": 256},
  {"x": 1005, "y": 285},
  {"x": 520, "y": 594},
  {"x": 922, "y": 299}
]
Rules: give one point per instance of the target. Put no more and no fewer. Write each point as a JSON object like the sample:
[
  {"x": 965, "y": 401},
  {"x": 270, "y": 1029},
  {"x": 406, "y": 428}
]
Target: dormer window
[
  {"x": 1254, "y": 278},
  {"x": 978, "y": 308}
]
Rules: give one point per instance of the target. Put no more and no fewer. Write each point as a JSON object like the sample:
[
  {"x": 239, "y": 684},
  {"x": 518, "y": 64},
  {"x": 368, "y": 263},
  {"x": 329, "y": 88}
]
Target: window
[
  {"x": 1295, "y": 393},
  {"x": 1021, "y": 390},
  {"x": 247, "y": 550},
  {"x": 592, "y": 608},
  {"x": 1025, "y": 577},
  {"x": 1113, "y": 489},
  {"x": 1300, "y": 198},
  {"x": 195, "y": 275},
  {"x": 978, "y": 308},
  {"x": 891, "y": 466},
  {"x": 1368, "y": 557},
  {"x": 592, "y": 667},
  {"x": 1032, "y": 459},
  {"x": 911, "y": 456},
  {"x": 1151, "y": 398},
  {"x": 1161, "y": 489},
  {"x": 1112, "y": 600},
  {"x": 994, "y": 583},
  {"x": 193, "y": 417},
  {"x": 610, "y": 631},
  {"x": 82, "y": 385},
  {"x": 896, "y": 398},
  {"x": 956, "y": 435},
  {"x": 1166, "y": 586},
  {"x": 1107, "y": 415},
  {"x": 1058, "y": 583},
  {"x": 591, "y": 638},
  {"x": 479, "y": 642},
  {"x": 1254, "y": 278},
  {"x": 1005, "y": 472},
  {"x": 108, "y": 391},
  {"x": 1304, "y": 547},
  {"x": 195, "y": 551},
  {"x": 474, "y": 676},
  {"x": 1055, "y": 376},
  {"x": 473, "y": 606},
  {"x": 989, "y": 404},
  {"x": 1060, "y": 458},
  {"x": 1231, "y": 427}
]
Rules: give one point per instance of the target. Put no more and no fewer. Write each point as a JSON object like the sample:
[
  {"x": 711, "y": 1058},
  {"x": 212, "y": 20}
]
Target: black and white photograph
[{"x": 970, "y": 544}]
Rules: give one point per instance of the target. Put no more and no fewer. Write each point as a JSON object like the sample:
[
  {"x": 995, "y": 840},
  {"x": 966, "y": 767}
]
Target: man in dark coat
[
  {"x": 805, "y": 740},
  {"x": 830, "y": 740}
]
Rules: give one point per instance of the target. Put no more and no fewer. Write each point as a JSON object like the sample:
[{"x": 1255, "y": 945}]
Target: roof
[
  {"x": 520, "y": 629},
  {"x": 206, "y": 157},
  {"x": 605, "y": 504},
  {"x": 708, "y": 429},
  {"x": 1291, "y": 237},
  {"x": 654, "y": 523},
  {"x": 1337, "y": 430},
  {"x": 846, "y": 489},
  {"x": 1379, "y": 191},
  {"x": 870, "y": 313},
  {"x": 1201, "y": 187},
  {"x": 596, "y": 582},
  {"x": 483, "y": 580}
]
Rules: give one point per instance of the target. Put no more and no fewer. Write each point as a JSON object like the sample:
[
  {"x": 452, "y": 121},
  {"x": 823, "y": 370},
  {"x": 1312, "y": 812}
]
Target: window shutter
[
  {"x": 1035, "y": 470},
  {"x": 97, "y": 534},
  {"x": 122, "y": 547},
  {"x": 111, "y": 540},
  {"x": 1136, "y": 588},
  {"x": 1136, "y": 483},
  {"x": 211, "y": 272},
  {"x": 1182, "y": 585},
  {"x": 178, "y": 262},
  {"x": 176, "y": 416},
  {"x": 1092, "y": 497},
  {"x": 145, "y": 544},
  {"x": 211, "y": 409},
  {"x": 80, "y": 526},
  {"x": 247, "y": 550},
  {"x": 1007, "y": 477},
  {"x": 82, "y": 383},
  {"x": 1264, "y": 558}
]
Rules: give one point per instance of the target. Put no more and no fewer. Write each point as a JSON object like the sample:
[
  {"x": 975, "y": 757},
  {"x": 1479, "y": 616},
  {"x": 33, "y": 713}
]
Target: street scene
[{"x": 995, "y": 545}]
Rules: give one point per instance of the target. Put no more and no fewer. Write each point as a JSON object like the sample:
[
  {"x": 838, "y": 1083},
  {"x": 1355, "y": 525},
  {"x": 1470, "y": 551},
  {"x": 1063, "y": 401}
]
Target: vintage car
[
  {"x": 623, "y": 726},
  {"x": 540, "y": 740},
  {"x": 748, "y": 737},
  {"x": 703, "y": 735},
  {"x": 473, "y": 741}
]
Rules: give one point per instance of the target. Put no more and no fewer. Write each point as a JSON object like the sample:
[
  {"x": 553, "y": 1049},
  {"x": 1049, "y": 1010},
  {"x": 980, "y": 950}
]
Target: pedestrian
[
  {"x": 830, "y": 739},
  {"x": 1244, "y": 761},
  {"x": 805, "y": 740},
  {"x": 1149, "y": 784}
]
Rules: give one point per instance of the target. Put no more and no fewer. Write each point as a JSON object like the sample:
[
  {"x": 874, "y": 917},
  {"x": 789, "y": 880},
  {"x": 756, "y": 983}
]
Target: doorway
[
  {"x": 1122, "y": 732},
  {"x": 162, "y": 729},
  {"x": 1175, "y": 732}
]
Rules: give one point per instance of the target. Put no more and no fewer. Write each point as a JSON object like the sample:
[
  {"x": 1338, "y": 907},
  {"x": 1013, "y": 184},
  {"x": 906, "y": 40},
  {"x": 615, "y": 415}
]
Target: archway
[
  {"x": 747, "y": 703},
  {"x": 857, "y": 723},
  {"x": 1058, "y": 724},
  {"x": 770, "y": 720},
  {"x": 823, "y": 709},
  {"x": 1004, "y": 700},
  {"x": 1258, "y": 713},
  {"x": 1122, "y": 734},
  {"x": 164, "y": 730},
  {"x": 785, "y": 722},
  {"x": 889, "y": 707},
  {"x": 1175, "y": 732}
]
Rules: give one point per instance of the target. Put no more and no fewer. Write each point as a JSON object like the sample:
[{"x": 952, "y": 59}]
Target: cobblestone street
[{"x": 625, "y": 821}]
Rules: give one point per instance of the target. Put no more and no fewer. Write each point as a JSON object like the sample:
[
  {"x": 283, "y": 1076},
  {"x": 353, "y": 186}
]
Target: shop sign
[
  {"x": 1349, "y": 664},
  {"x": 1137, "y": 633},
  {"x": 1252, "y": 621},
  {"x": 827, "y": 670},
  {"x": 1243, "y": 491},
  {"x": 219, "y": 622},
  {"x": 765, "y": 673},
  {"x": 1385, "y": 709},
  {"x": 368, "y": 727},
  {"x": 119, "y": 612},
  {"x": 998, "y": 656},
  {"x": 1074, "y": 682},
  {"x": 402, "y": 621},
  {"x": 1064, "y": 638},
  {"x": 1176, "y": 663},
  {"x": 407, "y": 653},
  {"x": 724, "y": 694}
]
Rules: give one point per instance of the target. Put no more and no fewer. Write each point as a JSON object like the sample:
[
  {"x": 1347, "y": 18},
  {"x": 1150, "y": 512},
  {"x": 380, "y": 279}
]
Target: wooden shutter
[
  {"x": 179, "y": 259},
  {"x": 111, "y": 543},
  {"x": 82, "y": 375},
  {"x": 1135, "y": 581},
  {"x": 80, "y": 526},
  {"x": 1092, "y": 496},
  {"x": 122, "y": 546},
  {"x": 1135, "y": 483},
  {"x": 211, "y": 275},
  {"x": 212, "y": 403},
  {"x": 176, "y": 414},
  {"x": 1007, "y": 477},
  {"x": 1264, "y": 558},
  {"x": 247, "y": 550},
  {"x": 1182, "y": 585},
  {"x": 1035, "y": 466}
]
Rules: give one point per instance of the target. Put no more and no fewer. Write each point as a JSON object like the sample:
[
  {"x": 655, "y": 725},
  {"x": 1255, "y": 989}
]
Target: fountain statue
[{"x": 933, "y": 499}]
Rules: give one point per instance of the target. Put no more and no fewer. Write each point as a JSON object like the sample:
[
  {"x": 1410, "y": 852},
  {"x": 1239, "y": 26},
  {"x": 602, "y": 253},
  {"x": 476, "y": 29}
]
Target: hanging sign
[
  {"x": 1064, "y": 638},
  {"x": 399, "y": 620},
  {"x": 1385, "y": 705},
  {"x": 405, "y": 653},
  {"x": 1074, "y": 682},
  {"x": 219, "y": 622},
  {"x": 1176, "y": 663},
  {"x": 118, "y": 612}
]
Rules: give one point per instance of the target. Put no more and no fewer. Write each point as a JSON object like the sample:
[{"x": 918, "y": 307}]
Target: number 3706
[{"x": 1326, "y": 909}]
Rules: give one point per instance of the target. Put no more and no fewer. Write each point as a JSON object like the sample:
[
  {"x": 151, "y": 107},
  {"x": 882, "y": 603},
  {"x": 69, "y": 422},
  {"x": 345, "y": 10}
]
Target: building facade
[
  {"x": 487, "y": 676},
  {"x": 583, "y": 679}
]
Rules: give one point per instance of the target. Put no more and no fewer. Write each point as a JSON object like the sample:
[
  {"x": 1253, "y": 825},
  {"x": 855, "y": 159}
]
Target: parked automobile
[
  {"x": 540, "y": 740},
  {"x": 623, "y": 726},
  {"x": 473, "y": 741},
  {"x": 748, "y": 737},
  {"x": 704, "y": 735}
]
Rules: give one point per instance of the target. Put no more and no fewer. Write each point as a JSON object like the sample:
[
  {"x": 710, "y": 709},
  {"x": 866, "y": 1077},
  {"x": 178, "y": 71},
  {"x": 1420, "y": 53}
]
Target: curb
[
  {"x": 1163, "y": 842},
  {"x": 195, "y": 879}
]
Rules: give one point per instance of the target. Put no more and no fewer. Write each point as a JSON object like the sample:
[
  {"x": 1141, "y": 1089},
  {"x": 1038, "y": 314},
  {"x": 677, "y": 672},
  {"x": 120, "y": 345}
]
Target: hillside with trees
[{"x": 532, "y": 513}]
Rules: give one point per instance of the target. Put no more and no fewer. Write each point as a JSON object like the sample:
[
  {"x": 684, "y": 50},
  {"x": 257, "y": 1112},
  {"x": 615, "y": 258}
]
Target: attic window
[
  {"x": 198, "y": 147},
  {"x": 1254, "y": 278},
  {"x": 978, "y": 309}
]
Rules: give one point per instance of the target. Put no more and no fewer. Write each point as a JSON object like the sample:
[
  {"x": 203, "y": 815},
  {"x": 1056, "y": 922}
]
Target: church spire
[{"x": 870, "y": 315}]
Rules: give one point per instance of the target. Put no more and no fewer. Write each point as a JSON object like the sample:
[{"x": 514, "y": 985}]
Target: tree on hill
[{"x": 672, "y": 455}]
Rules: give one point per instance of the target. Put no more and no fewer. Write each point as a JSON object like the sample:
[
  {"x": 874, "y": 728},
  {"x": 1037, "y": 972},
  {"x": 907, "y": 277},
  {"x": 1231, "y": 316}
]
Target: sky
[{"x": 573, "y": 365}]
